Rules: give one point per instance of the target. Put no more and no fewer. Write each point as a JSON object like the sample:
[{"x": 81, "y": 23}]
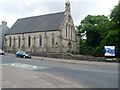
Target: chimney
[{"x": 4, "y": 27}]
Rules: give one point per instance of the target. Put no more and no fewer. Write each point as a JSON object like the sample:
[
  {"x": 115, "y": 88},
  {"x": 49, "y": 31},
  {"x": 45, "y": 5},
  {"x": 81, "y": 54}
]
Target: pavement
[{"x": 21, "y": 78}]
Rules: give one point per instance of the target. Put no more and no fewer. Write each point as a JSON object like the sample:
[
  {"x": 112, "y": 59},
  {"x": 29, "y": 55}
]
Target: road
[{"x": 85, "y": 75}]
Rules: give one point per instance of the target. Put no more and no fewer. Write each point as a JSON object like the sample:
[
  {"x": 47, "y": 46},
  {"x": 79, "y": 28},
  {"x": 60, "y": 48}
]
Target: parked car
[
  {"x": 22, "y": 54},
  {"x": 1, "y": 52}
]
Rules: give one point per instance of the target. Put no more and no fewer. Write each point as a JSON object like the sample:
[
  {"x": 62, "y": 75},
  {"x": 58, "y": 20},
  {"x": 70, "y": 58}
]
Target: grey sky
[{"x": 11, "y": 10}]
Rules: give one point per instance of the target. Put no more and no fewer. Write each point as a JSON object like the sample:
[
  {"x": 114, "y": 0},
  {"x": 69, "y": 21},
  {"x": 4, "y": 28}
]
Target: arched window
[
  {"x": 69, "y": 18},
  {"x": 40, "y": 40},
  {"x": 53, "y": 39},
  {"x": 66, "y": 30},
  {"x": 18, "y": 41},
  {"x": 10, "y": 41},
  {"x": 34, "y": 40},
  {"x": 14, "y": 41},
  {"x": 71, "y": 31},
  {"x": 5, "y": 41},
  {"x": 29, "y": 41}
]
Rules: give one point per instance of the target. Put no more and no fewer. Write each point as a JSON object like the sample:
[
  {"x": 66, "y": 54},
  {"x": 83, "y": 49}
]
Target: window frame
[
  {"x": 66, "y": 30},
  {"x": 53, "y": 39},
  {"x": 19, "y": 41},
  {"x": 29, "y": 41},
  {"x": 10, "y": 42},
  {"x": 40, "y": 40}
]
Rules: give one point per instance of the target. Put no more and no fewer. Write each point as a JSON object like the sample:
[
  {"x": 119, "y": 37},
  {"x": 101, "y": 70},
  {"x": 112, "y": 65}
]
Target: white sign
[{"x": 109, "y": 50}]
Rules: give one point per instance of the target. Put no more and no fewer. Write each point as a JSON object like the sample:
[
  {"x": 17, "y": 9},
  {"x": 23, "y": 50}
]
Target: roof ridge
[
  {"x": 51, "y": 22},
  {"x": 41, "y": 15}
]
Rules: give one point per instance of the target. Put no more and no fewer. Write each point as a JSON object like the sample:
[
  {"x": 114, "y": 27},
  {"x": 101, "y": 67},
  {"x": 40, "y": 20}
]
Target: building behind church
[
  {"x": 50, "y": 33},
  {"x": 3, "y": 29}
]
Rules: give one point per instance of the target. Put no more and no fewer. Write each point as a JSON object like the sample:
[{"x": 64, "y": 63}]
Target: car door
[
  {"x": 21, "y": 54},
  {"x": 18, "y": 53}
]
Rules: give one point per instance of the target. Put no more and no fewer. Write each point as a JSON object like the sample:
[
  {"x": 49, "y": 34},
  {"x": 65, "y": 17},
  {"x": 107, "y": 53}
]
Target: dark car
[{"x": 22, "y": 54}]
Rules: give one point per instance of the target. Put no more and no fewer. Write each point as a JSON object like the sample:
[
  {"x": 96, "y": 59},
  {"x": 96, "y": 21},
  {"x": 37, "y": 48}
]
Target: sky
[{"x": 11, "y": 10}]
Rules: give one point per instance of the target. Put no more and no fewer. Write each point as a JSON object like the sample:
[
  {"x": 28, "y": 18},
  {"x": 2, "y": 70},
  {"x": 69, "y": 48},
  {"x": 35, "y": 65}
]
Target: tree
[
  {"x": 94, "y": 26},
  {"x": 115, "y": 18},
  {"x": 100, "y": 31},
  {"x": 115, "y": 14}
]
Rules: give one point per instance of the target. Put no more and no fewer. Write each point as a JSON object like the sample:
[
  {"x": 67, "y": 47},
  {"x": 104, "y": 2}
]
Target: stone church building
[{"x": 50, "y": 33}]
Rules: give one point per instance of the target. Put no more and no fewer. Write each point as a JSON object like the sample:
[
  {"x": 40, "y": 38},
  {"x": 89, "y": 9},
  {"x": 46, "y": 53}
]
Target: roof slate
[{"x": 43, "y": 23}]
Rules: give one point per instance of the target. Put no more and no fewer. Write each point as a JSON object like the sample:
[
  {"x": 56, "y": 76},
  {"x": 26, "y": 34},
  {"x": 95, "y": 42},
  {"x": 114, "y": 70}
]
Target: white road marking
[
  {"x": 70, "y": 82},
  {"x": 28, "y": 66},
  {"x": 58, "y": 77},
  {"x": 35, "y": 67}
]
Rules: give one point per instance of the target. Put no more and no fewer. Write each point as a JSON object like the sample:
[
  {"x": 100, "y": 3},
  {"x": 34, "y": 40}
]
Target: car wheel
[{"x": 23, "y": 56}]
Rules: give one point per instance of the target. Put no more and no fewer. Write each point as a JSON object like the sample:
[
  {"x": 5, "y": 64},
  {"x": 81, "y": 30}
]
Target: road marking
[
  {"x": 58, "y": 77},
  {"x": 27, "y": 66},
  {"x": 70, "y": 83}
]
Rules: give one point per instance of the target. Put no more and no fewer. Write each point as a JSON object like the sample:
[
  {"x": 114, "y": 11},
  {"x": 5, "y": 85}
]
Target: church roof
[{"x": 42, "y": 23}]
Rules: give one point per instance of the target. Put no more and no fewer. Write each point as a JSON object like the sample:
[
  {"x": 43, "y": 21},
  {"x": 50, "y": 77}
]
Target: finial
[{"x": 67, "y": 6}]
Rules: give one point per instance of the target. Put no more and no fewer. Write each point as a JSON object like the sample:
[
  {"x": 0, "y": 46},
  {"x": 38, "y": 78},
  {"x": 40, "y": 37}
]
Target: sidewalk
[
  {"x": 13, "y": 77},
  {"x": 70, "y": 61}
]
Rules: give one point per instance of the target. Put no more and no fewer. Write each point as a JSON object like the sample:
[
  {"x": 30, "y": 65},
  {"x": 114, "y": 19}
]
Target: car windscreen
[
  {"x": 24, "y": 52},
  {"x": 0, "y": 50},
  {"x": 18, "y": 52}
]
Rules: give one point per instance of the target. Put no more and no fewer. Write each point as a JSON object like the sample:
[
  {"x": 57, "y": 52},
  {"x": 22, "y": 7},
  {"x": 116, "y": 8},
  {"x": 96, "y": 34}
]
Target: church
[{"x": 50, "y": 33}]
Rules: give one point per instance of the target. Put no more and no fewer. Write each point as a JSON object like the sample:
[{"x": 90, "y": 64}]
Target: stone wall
[
  {"x": 60, "y": 44},
  {"x": 69, "y": 56}
]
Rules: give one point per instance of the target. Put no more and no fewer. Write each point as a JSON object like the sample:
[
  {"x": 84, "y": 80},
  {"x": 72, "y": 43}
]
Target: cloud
[
  {"x": 81, "y": 10},
  {"x": 11, "y": 10},
  {"x": 20, "y": 8}
]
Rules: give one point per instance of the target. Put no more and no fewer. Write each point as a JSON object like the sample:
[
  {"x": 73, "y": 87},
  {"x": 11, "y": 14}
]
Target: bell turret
[{"x": 67, "y": 6}]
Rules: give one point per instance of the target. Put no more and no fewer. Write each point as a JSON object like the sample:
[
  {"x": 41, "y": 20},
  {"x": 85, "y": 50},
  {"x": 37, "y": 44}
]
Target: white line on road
[
  {"x": 70, "y": 82},
  {"x": 58, "y": 77},
  {"x": 22, "y": 65}
]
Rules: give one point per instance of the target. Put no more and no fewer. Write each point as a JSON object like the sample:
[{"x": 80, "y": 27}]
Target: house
[
  {"x": 51, "y": 33},
  {"x": 3, "y": 29}
]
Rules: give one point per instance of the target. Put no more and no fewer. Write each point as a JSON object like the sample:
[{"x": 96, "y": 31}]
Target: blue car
[{"x": 22, "y": 54}]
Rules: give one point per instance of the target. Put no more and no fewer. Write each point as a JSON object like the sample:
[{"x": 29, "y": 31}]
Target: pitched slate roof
[{"x": 43, "y": 23}]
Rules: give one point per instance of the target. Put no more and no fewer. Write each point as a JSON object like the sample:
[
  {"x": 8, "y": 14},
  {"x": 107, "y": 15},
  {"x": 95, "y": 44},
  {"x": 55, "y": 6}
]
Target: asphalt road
[{"x": 88, "y": 76}]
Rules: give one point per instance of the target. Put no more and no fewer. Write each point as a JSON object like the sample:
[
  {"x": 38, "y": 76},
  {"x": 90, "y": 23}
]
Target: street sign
[{"x": 109, "y": 50}]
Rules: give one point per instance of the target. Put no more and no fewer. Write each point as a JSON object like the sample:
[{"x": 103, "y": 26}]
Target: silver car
[{"x": 1, "y": 52}]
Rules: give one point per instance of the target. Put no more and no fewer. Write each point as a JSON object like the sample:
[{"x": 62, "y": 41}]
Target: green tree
[
  {"x": 112, "y": 37},
  {"x": 115, "y": 14},
  {"x": 100, "y": 32},
  {"x": 94, "y": 26},
  {"x": 115, "y": 18}
]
